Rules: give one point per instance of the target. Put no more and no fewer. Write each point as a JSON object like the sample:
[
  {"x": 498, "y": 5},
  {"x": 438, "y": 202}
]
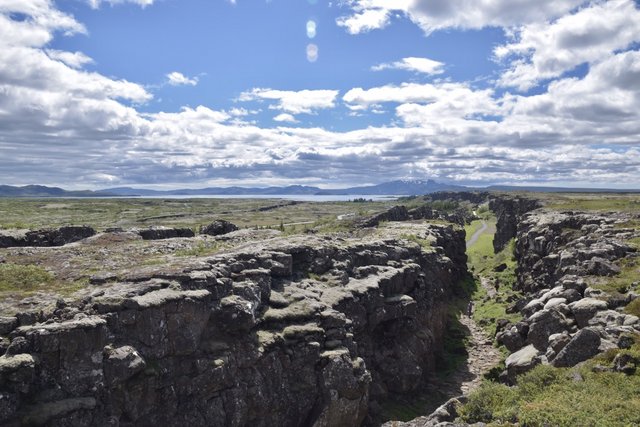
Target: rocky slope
[
  {"x": 567, "y": 262},
  {"x": 296, "y": 331}
]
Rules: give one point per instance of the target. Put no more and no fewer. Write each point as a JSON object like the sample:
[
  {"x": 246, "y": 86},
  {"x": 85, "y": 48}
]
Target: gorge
[{"x": 308, "y": 329}]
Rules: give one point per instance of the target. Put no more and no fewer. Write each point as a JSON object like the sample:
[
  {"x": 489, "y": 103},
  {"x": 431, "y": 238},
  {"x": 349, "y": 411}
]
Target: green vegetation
[
  {"x": 204, "y": 248},
  {"x": 192, "y": 213},
  {"x": 593, "y": 202},
  {"x": 425, "y": 244},
  {"x": 548, "y": 396},
  {"x": 24, "y": 280},
  {"x": 622, "y": 282},
  {"x": 497, "y": 271}
]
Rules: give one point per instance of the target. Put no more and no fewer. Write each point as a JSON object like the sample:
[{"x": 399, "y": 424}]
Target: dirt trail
[
  {"x": 477, "y": 234},
  {"x": 482, "y": 357}
]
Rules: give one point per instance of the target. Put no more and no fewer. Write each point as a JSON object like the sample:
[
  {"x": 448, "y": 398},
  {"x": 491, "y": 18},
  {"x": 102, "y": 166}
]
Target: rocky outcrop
[
  {"x": 396, "y": 213},
  {"x": 459, "y": 216},
  {"x": 300, "y": 331},
  {"x": 509, "y": 210},
  {"x": 474, "y": 197},
  {"x": 47, "y": 237},
  {"x": 564, "y": 320},
  {"x": 218, "y": 228},
  {"x": 158, "y": 233}
]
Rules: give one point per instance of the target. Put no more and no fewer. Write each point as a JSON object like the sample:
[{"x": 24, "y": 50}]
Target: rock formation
[
  {"x": 307, "y": 330},
  {"x": 218, "y": 228},
  {"x": 157, "y": 233},
  {"x": 565, "y": 320},
  {"x": 47, "y": 237},
  {"x": 509, "y": 210}
]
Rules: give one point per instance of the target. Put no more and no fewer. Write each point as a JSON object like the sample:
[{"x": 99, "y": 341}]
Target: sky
[{"x": 194, "y": 93}]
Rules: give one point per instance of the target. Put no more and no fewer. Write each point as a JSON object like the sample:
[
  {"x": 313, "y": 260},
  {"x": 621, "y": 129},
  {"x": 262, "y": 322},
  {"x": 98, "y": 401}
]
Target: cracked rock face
[
  {"x": 566, "y": 321},
  {"x": 297, "y": 331}
]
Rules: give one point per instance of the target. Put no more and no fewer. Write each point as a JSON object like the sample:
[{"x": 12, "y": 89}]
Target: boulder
[
  {"x": 522, "y": 361},
  {"x": 582, "y": 346},
  {"x": 545, "y": 323},
  {"x": 121, "y": 363},
  {"x": 511, "y": 339},
  {"x": 585, "y": 309},
  {"x": 218, "y": 228}
]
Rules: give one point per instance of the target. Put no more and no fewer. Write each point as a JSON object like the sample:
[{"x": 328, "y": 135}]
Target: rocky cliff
[
  {"x": 509, "y": 211},
  {"x": 571, "y": 272},
  {"x": 298, "y": 331}
]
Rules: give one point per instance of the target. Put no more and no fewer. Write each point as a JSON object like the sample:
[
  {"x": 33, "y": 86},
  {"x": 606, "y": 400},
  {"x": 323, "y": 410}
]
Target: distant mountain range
[{"x": 397, "y": 188}]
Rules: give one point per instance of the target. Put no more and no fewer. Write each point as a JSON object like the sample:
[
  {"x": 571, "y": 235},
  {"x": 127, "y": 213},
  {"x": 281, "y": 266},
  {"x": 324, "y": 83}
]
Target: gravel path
[{"x": 477, "y": 234}]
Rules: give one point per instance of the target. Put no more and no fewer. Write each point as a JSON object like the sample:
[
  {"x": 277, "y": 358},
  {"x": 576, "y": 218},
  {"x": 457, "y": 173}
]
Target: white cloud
[
  {"x": 432, "y": 15},
  {"x": 72, "y": 59},
  {"x": 285, "y": 117},
  {"x": 419, "y": 65},
  {"x": 97, "y": 3},
  {"x": 61, "y": 124},
  {"x": 458, "y": 96},
  {"x": 178, "y": 79},
  {"x": 365, "y": 20},
  {"x": 303, "y": 101},
  {"x": 547, "y": 50}
]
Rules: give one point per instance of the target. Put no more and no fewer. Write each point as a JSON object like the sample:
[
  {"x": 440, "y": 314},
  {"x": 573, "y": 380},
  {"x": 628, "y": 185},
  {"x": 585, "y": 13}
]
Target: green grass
[
  {"x": 481, "y": 254},
  {"x": 620, "y": 283},
  {"x": 548, "y": 396},
  {"x": 594, "y": 202},
  {"x": 482, "y": 261},
  {"x": 470, "y": 229},
  {"x": 24, "y": 280},
  {"x": 192, "y": 213},
  {"x": 201, "y": 249}
]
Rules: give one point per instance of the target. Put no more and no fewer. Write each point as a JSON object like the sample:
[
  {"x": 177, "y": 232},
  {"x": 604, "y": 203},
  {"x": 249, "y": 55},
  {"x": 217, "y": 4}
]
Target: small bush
[{"x": 491, "y": 402}]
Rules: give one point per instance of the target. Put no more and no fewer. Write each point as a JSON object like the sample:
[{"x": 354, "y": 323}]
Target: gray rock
[
  {"x": 218, "y": 228},
  {"x": 511, "y": 339},
  {"x": 582, "y": 346},
  {"x": 159, "y": 233},
  {"x": 522, "y": 361},
  {"x": 47, "y": 237},
  {"x": 121, "y": 363},
  {"x": 543, "y": 324},
  {"x": 7, "y": 324},
  {"x": 585, "y": 309}
]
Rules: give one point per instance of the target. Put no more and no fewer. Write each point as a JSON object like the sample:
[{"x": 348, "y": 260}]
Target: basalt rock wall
[
  {"x": 509, "y": 211},
  {"x": 304, "y": 331},
  {"x": 564, "y": 262}
]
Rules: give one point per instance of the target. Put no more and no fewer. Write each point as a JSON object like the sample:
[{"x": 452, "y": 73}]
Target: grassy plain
[{"x": 126, "y": 213}]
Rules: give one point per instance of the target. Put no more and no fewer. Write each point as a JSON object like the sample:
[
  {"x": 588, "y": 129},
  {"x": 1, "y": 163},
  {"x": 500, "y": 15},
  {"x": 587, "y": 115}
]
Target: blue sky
[{"x": 189, "y": 93}]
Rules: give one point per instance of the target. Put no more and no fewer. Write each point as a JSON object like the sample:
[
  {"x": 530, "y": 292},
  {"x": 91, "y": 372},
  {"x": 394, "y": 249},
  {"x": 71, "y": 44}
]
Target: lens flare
[
  {"x": 311, "y": 29},
  {"x": 312, "y": 52}
]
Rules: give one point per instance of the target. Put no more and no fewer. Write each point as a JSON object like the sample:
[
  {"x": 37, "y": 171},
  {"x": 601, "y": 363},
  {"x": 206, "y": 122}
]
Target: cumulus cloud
[
  {"x": 62, "y": 124},
  {"x": 457, "y": 96},
  {"x": 547, "y": 50},
  {"x": 419, "y": 65},
  {"x": 285, "y": 117},
  {"x": 178, "y": 79},
  {"x": 432, "y": 15},
  {"x": 293, "y": 102}
]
